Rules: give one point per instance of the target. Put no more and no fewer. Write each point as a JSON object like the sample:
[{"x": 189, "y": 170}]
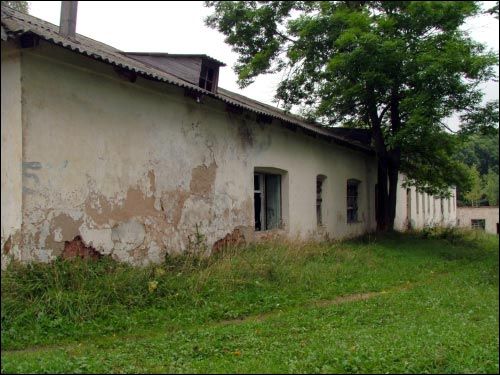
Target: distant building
[
  {"x": 139, "y": 155},
  {"x": 482, "y": 218}
]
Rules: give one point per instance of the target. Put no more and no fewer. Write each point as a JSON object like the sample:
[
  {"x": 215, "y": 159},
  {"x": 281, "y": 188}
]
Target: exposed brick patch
[
  {"x": 235, "y": 238},
  {"x": 77, "y": 248},
  {"x": 7, "y": 245}
]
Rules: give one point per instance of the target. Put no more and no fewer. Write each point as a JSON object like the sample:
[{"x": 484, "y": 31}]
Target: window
[
  {"x": 207, "y": 78},
  {"x": 319, "y": 199},
  {"x": 352, "y": 200},
  {"x": 449, "y": 205},
  {"x": 423, "y": 204},
  {"x": 442, "y": 207},
  {"x": 428, "y": 204},
  {"x": 478, "y": 224},
  {"x": 267, "y": 201},
  {"x": 417, "y": 202}
]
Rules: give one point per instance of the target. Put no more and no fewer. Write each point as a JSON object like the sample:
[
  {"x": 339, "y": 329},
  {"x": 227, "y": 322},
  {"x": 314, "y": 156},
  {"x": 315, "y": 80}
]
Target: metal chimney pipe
[{"x": 67, "y": 25}]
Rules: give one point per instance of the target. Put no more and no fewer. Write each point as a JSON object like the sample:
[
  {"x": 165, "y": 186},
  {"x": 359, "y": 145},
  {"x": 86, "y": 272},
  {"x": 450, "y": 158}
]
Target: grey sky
[{"x": 178, "y": 27}]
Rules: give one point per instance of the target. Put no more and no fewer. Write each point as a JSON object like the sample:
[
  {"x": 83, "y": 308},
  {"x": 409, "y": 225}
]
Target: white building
[
  {"x": 481, "y": 218},
  {"x": 139, "y": 155}
]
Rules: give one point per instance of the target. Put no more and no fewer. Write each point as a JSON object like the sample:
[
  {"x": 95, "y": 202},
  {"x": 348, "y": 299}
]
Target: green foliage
[
  {"x": 490, "y": 182},
  {"x": 481, "y": 120},
  {"x": 493, "y": 10},
  {"x": 428, "y": 306},
  {"x": 399, "y": 68},
  {"x": 479, "y": 151},
  {"x": 476, "y": 191},
  {"x": 21, "y": 6}
]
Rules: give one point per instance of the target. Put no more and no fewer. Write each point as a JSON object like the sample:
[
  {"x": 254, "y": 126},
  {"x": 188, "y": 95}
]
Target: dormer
[{"x": 200, "y": 70}]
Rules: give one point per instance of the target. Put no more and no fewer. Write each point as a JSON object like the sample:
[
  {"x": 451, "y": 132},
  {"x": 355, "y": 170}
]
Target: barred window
[
  {"x": 352, "y": 200},
  {"x": 478, "y": 224}
]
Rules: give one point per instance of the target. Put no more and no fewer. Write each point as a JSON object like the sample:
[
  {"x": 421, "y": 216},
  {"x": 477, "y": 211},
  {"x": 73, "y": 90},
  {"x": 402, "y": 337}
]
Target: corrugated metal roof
[
  {"x": 15, "y": 23},
  {"x": 164, "y": 54}
]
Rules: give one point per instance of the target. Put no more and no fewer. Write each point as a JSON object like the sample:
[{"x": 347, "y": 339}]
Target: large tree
[{"x": 398, "y": 68}]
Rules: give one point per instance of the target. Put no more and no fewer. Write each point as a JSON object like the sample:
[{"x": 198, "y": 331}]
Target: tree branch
[
  {"x": 285, "y": 37},
  {"x": 383, "y": 112}
]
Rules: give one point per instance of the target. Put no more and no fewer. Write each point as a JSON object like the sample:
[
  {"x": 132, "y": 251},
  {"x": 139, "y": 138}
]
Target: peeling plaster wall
[
  {"x": 11, "y": 152},
  {"x": 304, "y": 158},
  {"x": 429, "y": 213},
  {"x": 137, "y": 169}
]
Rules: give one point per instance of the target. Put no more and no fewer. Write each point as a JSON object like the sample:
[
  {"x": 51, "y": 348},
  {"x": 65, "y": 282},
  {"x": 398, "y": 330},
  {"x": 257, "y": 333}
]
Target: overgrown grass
[{"x": 435, "y": 310}]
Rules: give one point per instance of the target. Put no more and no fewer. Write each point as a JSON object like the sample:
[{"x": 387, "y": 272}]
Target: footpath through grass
[{"x": 421, "y": 303}]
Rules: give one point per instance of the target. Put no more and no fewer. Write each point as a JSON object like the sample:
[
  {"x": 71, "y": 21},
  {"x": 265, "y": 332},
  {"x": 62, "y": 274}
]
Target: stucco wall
[
  {"x": 489, "y": 214},
  {"x": 135, "y": 168},
  {"x": 11, "y": 151},
  {"x": 429, "y": 211}
]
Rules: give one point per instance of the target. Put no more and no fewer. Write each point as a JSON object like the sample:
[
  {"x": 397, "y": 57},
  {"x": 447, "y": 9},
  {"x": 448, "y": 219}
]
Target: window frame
[
  {"x": 262, "y": 191},
  {"x": 353, "y": 218},
  {"x": 204, "y": 81},
  {"x": 320, "y": 184},
  {"x": 478, "y": 224}
]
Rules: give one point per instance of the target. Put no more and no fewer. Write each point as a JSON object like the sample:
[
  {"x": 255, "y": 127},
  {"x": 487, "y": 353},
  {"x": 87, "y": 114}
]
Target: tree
[
  {"x": 398, "y": 68},
  {"x": 479, "y": 151},
  {"x": 21, "y": 6},
  {"x": 476, "y": 191},
  {"x": 494, "y": 10},
  {"x": 491, "y": 187}
]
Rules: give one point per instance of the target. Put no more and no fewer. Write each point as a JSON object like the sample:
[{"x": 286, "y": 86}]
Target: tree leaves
[{"x": 407, "y": 62}]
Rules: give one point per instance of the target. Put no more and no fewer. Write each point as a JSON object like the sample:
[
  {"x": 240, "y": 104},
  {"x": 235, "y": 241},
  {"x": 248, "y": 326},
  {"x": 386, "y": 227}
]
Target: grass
[{"x": 420, "y": 303}]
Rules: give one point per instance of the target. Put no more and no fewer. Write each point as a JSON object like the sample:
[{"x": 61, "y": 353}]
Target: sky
[{"x": 178, "y": 27}]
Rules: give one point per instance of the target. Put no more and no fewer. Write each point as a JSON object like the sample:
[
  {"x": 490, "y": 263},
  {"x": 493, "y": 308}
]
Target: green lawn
[{"x": 417, "y": 303}]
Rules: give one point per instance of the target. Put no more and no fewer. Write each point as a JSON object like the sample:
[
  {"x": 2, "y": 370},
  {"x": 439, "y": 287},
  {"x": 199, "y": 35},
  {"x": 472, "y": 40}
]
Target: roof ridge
[{"x": 19, "y": 23}]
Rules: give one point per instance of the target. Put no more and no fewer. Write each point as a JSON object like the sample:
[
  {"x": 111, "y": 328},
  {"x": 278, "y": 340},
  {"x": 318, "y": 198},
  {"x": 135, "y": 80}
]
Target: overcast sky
[{"x": 178, "y": 27}]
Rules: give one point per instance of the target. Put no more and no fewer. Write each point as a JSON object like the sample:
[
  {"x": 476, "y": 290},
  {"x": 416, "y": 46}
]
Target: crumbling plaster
[
  {"x": 11, "y": 152},
  {"x": 136, "y": 169}
]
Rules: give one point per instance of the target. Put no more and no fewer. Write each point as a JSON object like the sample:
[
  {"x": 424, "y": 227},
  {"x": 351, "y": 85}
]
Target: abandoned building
[
  {"x": 483, "y": 218},
  {"x": 139, "y": 155}
]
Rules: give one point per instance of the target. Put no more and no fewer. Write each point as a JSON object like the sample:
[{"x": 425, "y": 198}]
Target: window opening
[
  {"x": 319, "y": 199},
  {"x": 352, "y": 200},
  {"x": 267, "y": 201},
  {"x": 207, "y": 78},
  {"x": 478, "y": 224}
]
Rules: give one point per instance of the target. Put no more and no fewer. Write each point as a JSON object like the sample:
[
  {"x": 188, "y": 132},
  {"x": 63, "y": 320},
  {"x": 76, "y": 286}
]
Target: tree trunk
[
  {"x": 382, "y": 213},
  {"x": 393, "y": 173}
]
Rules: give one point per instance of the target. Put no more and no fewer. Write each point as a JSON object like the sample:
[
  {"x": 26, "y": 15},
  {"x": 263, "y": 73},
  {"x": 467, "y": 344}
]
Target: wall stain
[
  {"x": 134, "y": 204},
  {"x": 203, "y": 180}
]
